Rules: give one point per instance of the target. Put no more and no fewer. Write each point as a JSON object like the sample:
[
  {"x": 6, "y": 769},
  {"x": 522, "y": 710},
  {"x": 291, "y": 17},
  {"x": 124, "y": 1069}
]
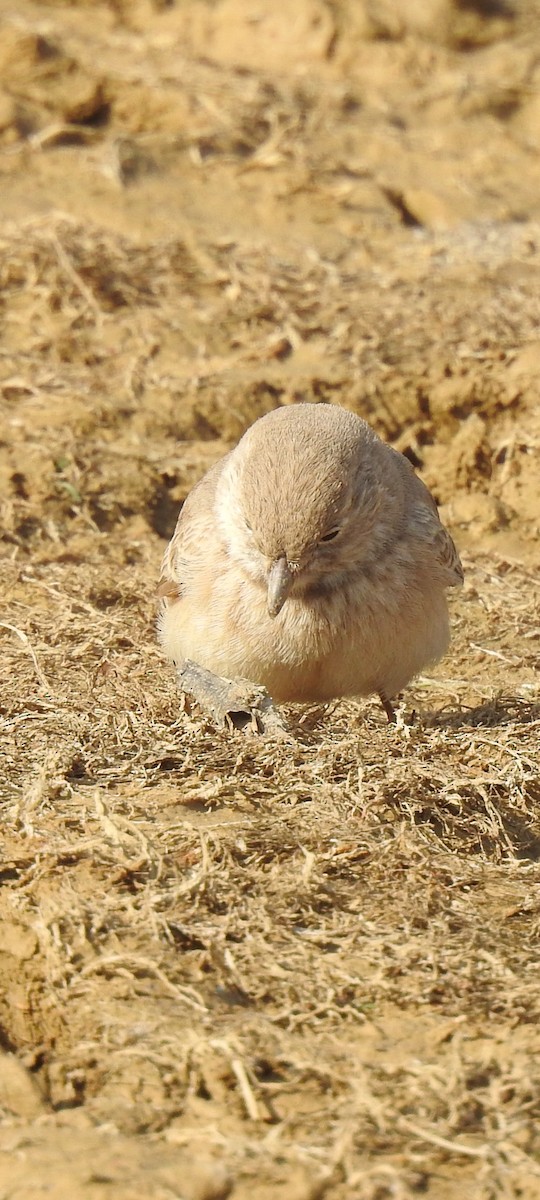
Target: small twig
[
  {"x": 239, "y": 1070},
  {"x": 118, "y": 829},
  {"x": 135, "y": 963},
  {"x": 67, "y": 266},
  {"x": 28, "y": 646},
  {"x": 250, "y": 1102},
  {"x": 443, "y": 1143},
  {"x": 57, "y": 131},
  {"x": 513, "y": 662}
]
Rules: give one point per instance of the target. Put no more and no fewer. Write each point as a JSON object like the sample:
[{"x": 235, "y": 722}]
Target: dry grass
[
  {"x": 342, "y": 933},
  {"x": 285, "y": 971},
  {"x": 322, "y": 956}
]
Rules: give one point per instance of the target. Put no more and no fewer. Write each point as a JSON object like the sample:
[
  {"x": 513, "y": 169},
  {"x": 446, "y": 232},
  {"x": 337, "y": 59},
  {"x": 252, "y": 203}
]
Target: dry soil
[{"x": 229, "y": 966}]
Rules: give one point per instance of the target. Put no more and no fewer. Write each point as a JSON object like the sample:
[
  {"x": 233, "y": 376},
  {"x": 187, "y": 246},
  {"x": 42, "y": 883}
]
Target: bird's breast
[{"x": 303, "y": 629}]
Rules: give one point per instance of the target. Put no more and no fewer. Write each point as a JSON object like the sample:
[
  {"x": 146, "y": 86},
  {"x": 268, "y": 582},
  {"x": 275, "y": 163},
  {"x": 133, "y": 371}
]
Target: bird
[{"x": 309, "y": 563}]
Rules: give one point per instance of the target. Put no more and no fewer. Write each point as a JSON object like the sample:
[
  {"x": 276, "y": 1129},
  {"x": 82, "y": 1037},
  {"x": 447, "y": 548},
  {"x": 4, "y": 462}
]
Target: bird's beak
[{"x": 279, "y": 585}]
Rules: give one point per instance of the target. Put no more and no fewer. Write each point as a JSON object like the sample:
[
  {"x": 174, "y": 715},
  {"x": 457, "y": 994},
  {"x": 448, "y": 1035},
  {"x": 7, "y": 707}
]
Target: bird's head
[{"x": 298, "y": 500}]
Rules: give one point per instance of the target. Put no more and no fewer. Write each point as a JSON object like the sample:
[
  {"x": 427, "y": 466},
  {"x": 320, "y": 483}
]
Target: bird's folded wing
[
  {"x": 425, "y": 517},
  {"x": 447, "y": 556},
  {"x": 193, "y": 528},
  {"x": 424, "y": 520}
]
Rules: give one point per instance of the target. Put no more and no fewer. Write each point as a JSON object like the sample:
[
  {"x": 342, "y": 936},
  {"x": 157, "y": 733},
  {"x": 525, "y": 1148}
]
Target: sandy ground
[{"x": 230, "y": 967}]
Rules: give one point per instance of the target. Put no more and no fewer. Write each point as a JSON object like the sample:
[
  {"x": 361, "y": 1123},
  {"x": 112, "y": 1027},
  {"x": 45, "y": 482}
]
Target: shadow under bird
[{"x": 308, "y": 564}]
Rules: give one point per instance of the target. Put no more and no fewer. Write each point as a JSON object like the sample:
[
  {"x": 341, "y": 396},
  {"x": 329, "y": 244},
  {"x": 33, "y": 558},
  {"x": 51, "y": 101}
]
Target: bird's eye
[{"x": 329, "y": 537}]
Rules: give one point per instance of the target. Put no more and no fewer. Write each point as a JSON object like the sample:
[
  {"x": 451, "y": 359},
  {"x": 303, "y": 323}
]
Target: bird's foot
[{"x": 233, "y": 703}]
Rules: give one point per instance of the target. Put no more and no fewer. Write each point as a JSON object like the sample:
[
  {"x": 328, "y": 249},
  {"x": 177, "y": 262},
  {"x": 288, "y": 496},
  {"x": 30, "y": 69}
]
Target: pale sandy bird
[{"x": 310, "y": 560}]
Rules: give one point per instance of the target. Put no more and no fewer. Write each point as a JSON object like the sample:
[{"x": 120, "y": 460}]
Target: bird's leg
[
  {"x": 235, "y": 703},
  {"x": 389, "y": 709},
  {"x": 396, "y": 716}
]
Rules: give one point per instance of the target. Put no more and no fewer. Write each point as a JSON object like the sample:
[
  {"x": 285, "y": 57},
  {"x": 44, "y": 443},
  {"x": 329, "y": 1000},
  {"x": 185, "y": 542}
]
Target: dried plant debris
[{"x": 231, "y": 965}]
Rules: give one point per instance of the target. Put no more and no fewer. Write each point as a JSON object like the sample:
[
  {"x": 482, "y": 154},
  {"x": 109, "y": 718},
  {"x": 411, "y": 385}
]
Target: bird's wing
[
  {"x": 427, "y": 521},
  {"x": 193, "y": 529},
  {"x": 447, "y": 556}
]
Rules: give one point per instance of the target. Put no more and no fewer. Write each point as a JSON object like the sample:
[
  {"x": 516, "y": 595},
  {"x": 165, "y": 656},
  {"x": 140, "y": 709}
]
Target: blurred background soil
[{"x": 230, "y": 967}]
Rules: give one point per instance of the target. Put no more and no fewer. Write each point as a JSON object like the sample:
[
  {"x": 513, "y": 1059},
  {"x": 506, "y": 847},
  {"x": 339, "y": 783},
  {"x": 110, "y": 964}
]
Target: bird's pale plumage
[{"x": 311, "y": 560}]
